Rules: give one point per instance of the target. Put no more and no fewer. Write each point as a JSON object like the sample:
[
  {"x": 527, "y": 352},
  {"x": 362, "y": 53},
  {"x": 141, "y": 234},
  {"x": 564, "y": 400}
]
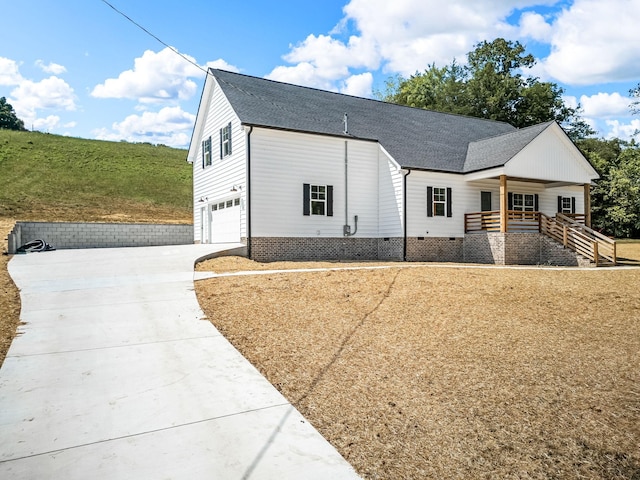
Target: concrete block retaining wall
[{"x": 67, "y": 235}]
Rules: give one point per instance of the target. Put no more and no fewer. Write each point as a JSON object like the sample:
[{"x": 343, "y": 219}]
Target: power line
[{"x": 184, "y": 57}]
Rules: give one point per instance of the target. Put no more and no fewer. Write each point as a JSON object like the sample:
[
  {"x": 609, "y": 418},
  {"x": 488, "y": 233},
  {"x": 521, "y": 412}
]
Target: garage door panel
[{"x": 225, "y": 224}]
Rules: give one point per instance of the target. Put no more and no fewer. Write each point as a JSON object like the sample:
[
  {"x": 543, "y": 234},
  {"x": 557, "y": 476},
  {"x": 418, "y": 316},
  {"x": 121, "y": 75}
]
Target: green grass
[{"x": 46, "y": 175}]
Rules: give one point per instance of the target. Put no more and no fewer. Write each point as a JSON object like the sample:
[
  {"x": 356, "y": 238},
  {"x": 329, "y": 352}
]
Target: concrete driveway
[{"x": 116, "y": 374}]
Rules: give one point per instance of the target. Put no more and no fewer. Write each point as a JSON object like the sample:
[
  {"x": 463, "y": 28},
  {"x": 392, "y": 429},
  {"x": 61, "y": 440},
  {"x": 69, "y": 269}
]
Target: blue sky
[{"x": 78, "y": 68}]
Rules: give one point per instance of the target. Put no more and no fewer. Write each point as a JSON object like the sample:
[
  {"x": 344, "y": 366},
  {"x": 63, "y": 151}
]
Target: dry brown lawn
[
  {"x": 448, "y": 372},
  {"x": 9, "y": 295}
]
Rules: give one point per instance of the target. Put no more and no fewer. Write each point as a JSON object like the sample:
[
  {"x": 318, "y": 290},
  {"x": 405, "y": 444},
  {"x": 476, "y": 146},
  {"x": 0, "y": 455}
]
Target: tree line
[{"x": 493, "y": 85}]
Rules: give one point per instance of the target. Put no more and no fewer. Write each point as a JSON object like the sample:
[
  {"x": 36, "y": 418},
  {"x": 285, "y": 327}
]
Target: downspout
[
  {"x": 248, "y": 187},
  {"x": 404, "y": 213},
  {"x": 346, "y": 229}
]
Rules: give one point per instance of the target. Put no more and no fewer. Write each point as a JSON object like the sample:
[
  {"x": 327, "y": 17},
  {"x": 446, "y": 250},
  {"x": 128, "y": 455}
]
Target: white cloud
[
  {"x": 156, "y": 77},
  {"x": 169, "y": 126},
  {"x": 53, "y": 68},
  {"x": 625, "y": 131},
  {"x": 534, "y": 26},
  {"x": 303, "y": 73},
  {"x": 358, "y": 85},
  {"x": 404, "y": 36},
  {"x": 605, "y": 105},
  {"x": 9, "y": 72},
  {"x": 52, "y": 93},
  {"x": 45, "y": 124},
  {"x": 595, "y": 41},
  {"x": 222, "y": 65}
]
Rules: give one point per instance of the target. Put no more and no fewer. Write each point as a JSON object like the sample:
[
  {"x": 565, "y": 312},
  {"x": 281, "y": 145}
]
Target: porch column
[
  {"x": 504, "y": 203},
  {"x": 587, "y": 204}
]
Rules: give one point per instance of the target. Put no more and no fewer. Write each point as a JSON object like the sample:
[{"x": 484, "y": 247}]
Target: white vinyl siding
[
  {"x": 551, "y": 157},
  {"x": 215, "y": 183},
  {"x": 390, "y": 184},
  {"x": 418, "y": 223},
  {"x": 282, "y": 162}
]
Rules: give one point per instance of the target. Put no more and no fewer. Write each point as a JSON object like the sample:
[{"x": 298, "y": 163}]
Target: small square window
[
  {"x": 214, "y": 207},
  {"x": 236, "y": 202},
  {"x": 229, "y": 203},
  {"x": 221, "y": 205}
]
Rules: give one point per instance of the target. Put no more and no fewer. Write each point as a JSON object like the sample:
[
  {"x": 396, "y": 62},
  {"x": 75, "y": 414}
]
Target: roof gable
[
  {"x": 497, "y": 151},
  {"x": 551, "y": 156}
]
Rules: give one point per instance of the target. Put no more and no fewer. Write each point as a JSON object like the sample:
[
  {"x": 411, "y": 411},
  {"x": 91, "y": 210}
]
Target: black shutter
[
  {"x": 559, "y": 203},
  {"x": 510, "y": 201},
  {"x": 573, "y": 204},
  {"x": 221, "y": 143},
  {"x": 229, "y": 131},
  {"x": 449, "y": 210},
  {"x": 329, "y": 200},
  {"x": 203, "y": 154},
  {"x": 429, "y": 201},
  {"x": 306, "y": 199},
  {"x": 536, "y": 202}
]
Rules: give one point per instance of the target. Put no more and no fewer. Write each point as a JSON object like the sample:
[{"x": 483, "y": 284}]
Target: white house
[{"x": 300, "y": 173}]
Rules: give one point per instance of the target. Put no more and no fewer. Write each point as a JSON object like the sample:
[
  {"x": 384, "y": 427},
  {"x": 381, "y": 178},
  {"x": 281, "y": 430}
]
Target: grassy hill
[{"x": 51, "y": 177}]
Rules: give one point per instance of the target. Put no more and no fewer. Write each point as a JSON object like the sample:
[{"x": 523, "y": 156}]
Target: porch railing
[
  {"x": 490, "y": 221},
  {"x": 569, "y": 230}
]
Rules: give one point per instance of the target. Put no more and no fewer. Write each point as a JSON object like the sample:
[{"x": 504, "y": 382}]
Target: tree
[
  {"x": 8, "y": 117},
  {"x": 616, "y": 195},
  {"x": 635, "y": 94},
  {"x": 490, "y": 86}
]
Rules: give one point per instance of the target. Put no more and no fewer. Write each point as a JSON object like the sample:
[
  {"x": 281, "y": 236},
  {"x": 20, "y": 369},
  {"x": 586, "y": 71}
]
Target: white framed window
[
  {"x": 206, "y": 152},
  {"x": 225, "y": 141},
  {"x": 523, "y": 202},
  {"x": 439, "y": 201},
  {"x": 566, "y": 205},
  {"x": 317, "y": 200}
]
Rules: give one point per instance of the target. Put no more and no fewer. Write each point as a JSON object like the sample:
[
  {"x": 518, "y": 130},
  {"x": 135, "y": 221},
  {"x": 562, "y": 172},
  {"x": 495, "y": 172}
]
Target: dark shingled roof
[{"x": 414, "y": 137}]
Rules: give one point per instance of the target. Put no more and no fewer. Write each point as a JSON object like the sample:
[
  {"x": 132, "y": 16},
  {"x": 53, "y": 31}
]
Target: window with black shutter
[
  {"x": 317, "y": 199},
  {"x": 439, "y": 202}
]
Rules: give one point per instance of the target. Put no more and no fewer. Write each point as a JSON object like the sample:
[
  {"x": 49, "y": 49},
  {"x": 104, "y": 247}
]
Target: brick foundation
[
  {"x": 518, "y": 249},
  {"x": 270, "y": 249},
  {"x": 488, "y": 248},
  {"x": 435, "y": 249}
]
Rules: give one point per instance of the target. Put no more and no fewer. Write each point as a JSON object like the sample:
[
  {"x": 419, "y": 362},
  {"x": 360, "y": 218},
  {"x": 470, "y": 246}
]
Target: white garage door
[{"x": 225, "y": 221}]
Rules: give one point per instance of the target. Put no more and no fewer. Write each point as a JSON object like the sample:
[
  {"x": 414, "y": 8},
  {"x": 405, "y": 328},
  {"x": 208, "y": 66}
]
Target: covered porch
[{"x": 567, "y": 227}]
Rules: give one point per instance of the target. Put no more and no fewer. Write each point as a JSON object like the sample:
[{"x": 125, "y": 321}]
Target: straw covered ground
[{"x": 449, "y": 372}]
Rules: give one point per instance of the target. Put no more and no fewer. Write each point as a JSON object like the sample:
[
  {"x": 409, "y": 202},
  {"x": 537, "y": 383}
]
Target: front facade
[{"x": 298, "y": 184}]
